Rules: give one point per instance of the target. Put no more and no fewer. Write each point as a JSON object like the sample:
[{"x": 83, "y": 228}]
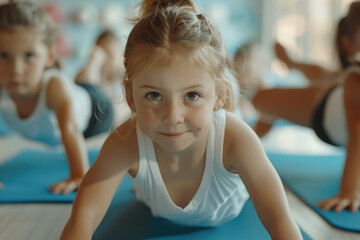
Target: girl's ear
[
  {"x": 221, "y": 98},
  {"x": 130, "y": 96},
  {"x": 52, "y": 56}
]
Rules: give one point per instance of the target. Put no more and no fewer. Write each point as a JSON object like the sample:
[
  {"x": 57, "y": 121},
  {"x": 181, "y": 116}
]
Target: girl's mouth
[{"x": 173, "y": 135}]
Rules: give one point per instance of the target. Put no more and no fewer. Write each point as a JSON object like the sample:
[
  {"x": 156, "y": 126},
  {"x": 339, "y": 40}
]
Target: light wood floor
[{"x": 46, "y": 221}]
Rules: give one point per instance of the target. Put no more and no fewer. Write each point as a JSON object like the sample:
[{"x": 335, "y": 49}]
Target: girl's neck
[
  {"x": 29, "y": 96},
  {"x": 186, "y": 159},
  {"x": 26, "y": 103}
]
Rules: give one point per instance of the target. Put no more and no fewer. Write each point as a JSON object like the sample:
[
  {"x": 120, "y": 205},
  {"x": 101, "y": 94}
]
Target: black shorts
[
  {"x": 318, "y": 121},
  {"x": 102, "y": 113}
]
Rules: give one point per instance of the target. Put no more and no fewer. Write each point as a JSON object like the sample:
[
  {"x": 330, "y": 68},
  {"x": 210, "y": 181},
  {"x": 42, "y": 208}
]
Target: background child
[
  {"x": 332, "y": 110},
  {"x": 190, "y": 159},
  {"x": 105, "y": 68},
  {"x": 38, "y": 103},
  {"x": 345, "y": 47}
]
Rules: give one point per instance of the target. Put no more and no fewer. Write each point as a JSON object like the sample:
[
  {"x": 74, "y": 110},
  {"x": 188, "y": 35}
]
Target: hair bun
[{"x": 149, "y": 7}]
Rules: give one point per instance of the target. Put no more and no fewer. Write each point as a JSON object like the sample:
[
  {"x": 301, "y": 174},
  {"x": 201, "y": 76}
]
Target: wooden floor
[{"x": 46, "y": 221}]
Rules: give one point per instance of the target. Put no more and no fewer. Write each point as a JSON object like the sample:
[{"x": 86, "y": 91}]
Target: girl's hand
[
  {"x": 66, "y": 186},
  {"x": 341, "y": 201},
  {"x": 1, "y": 185}
]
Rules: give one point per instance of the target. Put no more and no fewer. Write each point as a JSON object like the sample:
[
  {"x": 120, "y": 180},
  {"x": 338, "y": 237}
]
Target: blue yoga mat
[
  {"x": 315, "y": 178},
  {"x": 128, "y": 218},
  {"x": 28, "y": 175},
  {"x": 4, "y": 130}
]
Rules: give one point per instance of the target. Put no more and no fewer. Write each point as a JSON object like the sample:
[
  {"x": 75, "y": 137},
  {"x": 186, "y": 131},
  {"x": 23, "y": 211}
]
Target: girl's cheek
[
  {"x": 200, "y": 116},
  {"x": 147, "y": 114}
]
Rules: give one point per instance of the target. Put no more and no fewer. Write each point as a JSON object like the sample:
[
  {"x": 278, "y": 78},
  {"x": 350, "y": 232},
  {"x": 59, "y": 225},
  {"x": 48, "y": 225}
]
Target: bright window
[{"x": 305, "y": 27}]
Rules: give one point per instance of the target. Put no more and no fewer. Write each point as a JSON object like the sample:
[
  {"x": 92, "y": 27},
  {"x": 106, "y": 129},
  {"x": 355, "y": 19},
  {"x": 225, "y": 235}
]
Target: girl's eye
[
  {"x": 155, "y": 96},
  {"x": 192, "y": 96},
  {"x": 3, "y": 55},
  {"x": 29, "y": 55}
]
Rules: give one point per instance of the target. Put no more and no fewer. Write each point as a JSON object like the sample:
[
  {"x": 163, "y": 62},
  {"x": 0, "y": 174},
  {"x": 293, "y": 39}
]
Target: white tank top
[
  {"x": 221, "y": 194},
  {"x": 42, "y": 124},
  {"x": 334, "y": 113}
]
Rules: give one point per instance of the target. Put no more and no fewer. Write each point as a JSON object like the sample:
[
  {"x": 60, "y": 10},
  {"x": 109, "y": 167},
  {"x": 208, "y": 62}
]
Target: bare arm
[
  {"x": 247, "y": 157},
  {"x": 99, "y": 185},
  {"x": 350, "y": 182},
  {"x": 60, "y": 100}
]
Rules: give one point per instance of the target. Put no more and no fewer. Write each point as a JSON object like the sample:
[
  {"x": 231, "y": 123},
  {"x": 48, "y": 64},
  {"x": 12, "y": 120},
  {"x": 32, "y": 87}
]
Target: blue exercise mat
[
  {"x": 314, "y": 178},
  {"x": 28, "y": 175},
  {"x": 127, "y": 218},
  {"x": 3, "y": 128}
]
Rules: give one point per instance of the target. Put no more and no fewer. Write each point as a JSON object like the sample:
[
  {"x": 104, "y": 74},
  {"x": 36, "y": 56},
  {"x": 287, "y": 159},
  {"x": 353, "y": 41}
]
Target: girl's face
[
  {"x": 23, "y": 59},
  {"x": 174, "y": 105}
]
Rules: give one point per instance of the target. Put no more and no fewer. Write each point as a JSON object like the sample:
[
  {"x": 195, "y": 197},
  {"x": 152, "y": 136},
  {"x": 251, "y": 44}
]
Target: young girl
[
  {"x": 105, "y": 68},
  {"x": 191, "y": 161},
  {"x": 332, "y": 110},
  {"x": 38, "y": 103}
]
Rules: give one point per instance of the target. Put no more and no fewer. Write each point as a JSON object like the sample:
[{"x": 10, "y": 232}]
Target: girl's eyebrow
[
  {"x": 190, "y": 87},
  {"x": 148, "y": 86},
  {"x": 195, "y": 86}
]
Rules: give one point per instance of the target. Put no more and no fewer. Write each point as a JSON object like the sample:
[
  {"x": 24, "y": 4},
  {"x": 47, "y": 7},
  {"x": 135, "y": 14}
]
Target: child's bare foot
[
  {"x": 281, "y": 54},
  {"x": 1, "y": 185}
]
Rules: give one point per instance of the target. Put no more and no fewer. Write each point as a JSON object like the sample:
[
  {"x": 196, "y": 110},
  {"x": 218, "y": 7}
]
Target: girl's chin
[{"x": 173, "y": 146}]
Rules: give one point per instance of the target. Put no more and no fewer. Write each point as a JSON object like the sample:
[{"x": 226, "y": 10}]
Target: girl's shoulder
[
  {"x": 240, "y": 142},
  {"x": 56, "y": 89},
  {"x": 54, "y": 75},
  {"x": 351, "y": 77},
  {"x": 124, "y": 137},
  {"x": 121, "y": 146},
  {"x": 59, "y": 87},
  {"x": 235, "y": 127},
  {"x": 352, "y": 86},
  {"x": 353, "y": 70},
  {"x": 238, "y": 134},
  {"x": 352, "y": 101}
]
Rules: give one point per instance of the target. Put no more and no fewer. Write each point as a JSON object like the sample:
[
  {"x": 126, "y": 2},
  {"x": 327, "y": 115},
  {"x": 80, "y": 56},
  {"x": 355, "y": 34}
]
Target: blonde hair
[
  {"x": 28, "y": 14},
  {"x": 175, "y": 31}
]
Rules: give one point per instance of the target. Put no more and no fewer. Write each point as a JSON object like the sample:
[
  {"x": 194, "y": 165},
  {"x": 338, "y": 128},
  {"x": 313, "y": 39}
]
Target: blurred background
[{"x": 305, "y": 27}]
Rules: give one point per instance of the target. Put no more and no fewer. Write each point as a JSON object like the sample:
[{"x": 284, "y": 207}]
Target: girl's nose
[
  {"x": 17, "y": 67},
  {"x": 173, "y": 114}
]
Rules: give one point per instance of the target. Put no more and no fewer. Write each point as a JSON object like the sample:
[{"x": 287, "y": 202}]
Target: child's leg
[
  {"x": 293, "y": 104},
  {"x": 102, "y": 112},
  {"x": 92, "y": 71},
  {"x": 314, "y": 73}
]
